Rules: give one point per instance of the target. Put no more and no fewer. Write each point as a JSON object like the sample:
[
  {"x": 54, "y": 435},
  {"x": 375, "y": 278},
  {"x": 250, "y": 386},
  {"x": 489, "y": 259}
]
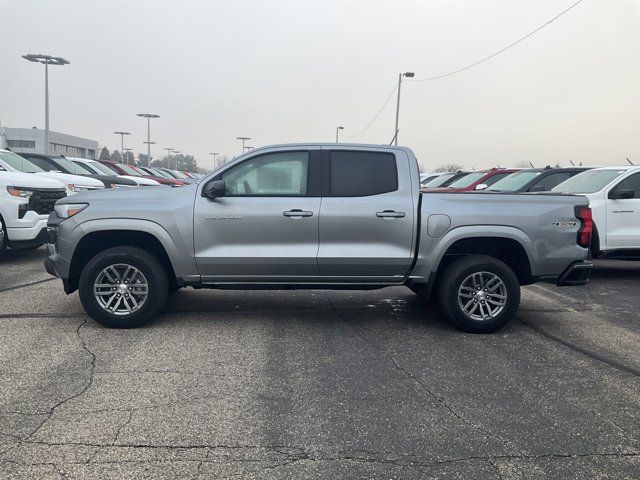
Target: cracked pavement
[{"x": 319, "y": 384}]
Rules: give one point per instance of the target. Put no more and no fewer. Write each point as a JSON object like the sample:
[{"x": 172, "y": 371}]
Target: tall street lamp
[
  {"x": 215, "y": 154},
  {"x": 243, "y": 140},
  {"x": 175, "y": 158},
  {"x": 47, "y": 60},
  {"x": 148, "y": 116},
  {"x": 338, "y": 132},
  {"x": 149, "y": 150},
  {"x": 122, "y": 134},
  {"x": 407, "y": 75},
  {"x": 126, "y": 150},
  {"x": 169, "y": 154}
]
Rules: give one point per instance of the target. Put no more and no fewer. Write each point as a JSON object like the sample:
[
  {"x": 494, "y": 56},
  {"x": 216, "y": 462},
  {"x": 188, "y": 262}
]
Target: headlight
[
  {"x": 68, "y": 210},
  {"x": 19, "y": 192},
  {"x": 78, "y": 188}
]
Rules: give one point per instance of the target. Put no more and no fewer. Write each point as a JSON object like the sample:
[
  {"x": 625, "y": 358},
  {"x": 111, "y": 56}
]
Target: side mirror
[
  {"x": 214, "y": 189},
  {"x": 621, "y": 194},
  {"x": 538, "y": 188},
  {"x": 481, "y": 186}
]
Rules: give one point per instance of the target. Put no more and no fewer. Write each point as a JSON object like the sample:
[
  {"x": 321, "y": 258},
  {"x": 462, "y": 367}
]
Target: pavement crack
[
  {"x": 8, "y": 289},
  {"x": 438, "y": 398},
  {"x": 92, "y": 366},
  {"x": 577, "y": 348}
]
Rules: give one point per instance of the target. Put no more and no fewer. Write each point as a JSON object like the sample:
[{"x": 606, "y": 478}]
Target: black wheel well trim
[
  {"x": 94, "y": 242},
  {"x": 515, "y": 257}
]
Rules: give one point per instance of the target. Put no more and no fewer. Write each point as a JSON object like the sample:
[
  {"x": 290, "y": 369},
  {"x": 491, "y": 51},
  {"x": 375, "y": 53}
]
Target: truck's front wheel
[
  {"x": 123, "y": 287},
  {"x": 479, "y": 294}
]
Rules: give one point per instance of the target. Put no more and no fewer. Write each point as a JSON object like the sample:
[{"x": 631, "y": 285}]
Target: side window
[
  {"x": 360, "y": 174},
  {"x": 551, "y": 180},
  {"x": 494, "y": 178},
  {"x": 274, "y": 174},
  {"x": 630, "y": 183}
]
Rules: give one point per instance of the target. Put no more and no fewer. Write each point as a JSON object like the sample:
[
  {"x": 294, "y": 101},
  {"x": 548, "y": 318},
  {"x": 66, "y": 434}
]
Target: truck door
[
  {"x": 367, "y": 215},
  {"x": 623, "y": 215},
  {"x": 265, "y": 228}
]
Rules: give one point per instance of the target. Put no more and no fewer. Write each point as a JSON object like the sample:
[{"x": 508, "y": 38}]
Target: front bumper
[{"x": 576, "y": 274}]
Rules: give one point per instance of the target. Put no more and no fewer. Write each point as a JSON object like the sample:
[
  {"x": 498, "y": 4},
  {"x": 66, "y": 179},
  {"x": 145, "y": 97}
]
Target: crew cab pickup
[
  {"x": 334, "y": 216},
  {"x": 614, "y": 196}
]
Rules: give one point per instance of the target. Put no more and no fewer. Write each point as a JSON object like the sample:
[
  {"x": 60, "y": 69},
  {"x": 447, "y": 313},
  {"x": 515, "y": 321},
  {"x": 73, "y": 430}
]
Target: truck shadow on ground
[{"x": 20, "y": 256}]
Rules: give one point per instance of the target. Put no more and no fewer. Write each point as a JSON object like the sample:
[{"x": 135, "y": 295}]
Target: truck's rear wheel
[
  {"x": 479, "y": 294},
  {"x": 123, "y": 287}
]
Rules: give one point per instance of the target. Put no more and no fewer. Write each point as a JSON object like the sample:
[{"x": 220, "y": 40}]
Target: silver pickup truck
[{"x": 334, "y": 216}]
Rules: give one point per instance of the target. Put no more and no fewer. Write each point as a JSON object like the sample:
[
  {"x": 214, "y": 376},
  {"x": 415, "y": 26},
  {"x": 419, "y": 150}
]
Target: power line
[
  {"x": 501, "y": 50},
  {"x": 395, "y": 86}
]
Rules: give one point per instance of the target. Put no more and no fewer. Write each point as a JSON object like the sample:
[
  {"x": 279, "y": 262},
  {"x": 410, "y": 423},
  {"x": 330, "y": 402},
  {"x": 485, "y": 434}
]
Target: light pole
[
  {"x": 47, "y": 60},
  {"x": 215, "y": 154},
  {"x": 148, "y": 116},
  {"x": 243, "y": 140},
  {"x": 338, "y": 132},
  {"x": 175, "y": 158},
  {"x": 123, "y": 155},
  {"x": 122, "y": 134},
  {"x": 169, "y": 154},
  {"x": 148, "y": 154},
  {"x": 408, "y": 75}
]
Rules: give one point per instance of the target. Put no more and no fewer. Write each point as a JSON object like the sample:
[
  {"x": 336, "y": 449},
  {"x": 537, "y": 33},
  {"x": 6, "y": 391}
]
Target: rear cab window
[{"x": 352, "y": 173}]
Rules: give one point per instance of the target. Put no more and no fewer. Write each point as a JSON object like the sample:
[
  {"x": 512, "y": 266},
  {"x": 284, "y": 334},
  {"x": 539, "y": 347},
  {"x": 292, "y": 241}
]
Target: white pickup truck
[
  {"x": 25, "y": 203},
  {"x": 614, "y": 198}
]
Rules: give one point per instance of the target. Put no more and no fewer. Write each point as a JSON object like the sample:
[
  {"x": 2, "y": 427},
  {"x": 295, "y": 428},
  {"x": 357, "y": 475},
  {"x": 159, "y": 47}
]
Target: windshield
[
  {"x": 72, "y": 167},
  {"x": 130, "y": 170},
  {"x": 467, "y": 180},
  {"x": 19, "y": 163},
  {"x": 83, "y": 166},
  {"x": 159, "y": 173},
  {"x": 590, "y": 181},
  {"x": 438, "y": 181},
  {"x": 178, "y": 174},
  {"x": 513, "y": 182},
  {"x": 102, "y": 168}
]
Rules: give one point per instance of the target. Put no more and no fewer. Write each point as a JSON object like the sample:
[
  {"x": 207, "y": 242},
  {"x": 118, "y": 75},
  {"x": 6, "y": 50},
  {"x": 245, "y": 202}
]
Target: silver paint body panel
[{"x": 238, "y": 240}]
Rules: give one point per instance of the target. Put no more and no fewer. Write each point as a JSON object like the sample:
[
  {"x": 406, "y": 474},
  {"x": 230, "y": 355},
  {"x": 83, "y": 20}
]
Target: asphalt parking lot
[{"x": 319, "y": 384}]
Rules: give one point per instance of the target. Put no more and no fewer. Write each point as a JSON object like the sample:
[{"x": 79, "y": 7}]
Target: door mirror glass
[
  {"x": 621, "y": 194},
  {"x": 214, "y": 189},
  {"x": 481, "y": 186}
]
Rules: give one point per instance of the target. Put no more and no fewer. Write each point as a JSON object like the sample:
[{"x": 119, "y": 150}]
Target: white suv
[
  {"x": 25, "y": 203},
  {"x": 614, "y": 197}
]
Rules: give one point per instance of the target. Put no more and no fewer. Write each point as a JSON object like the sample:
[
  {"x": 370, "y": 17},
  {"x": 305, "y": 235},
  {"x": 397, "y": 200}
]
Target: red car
[
  {"x": 132, "y": 171},
  {"x": 476, "y": 180}
]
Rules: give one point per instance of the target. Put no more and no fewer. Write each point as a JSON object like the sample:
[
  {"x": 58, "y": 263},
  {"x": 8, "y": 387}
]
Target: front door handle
[
  {"x": 390, "y": 214},
  {"x": 296, "y": 212}
]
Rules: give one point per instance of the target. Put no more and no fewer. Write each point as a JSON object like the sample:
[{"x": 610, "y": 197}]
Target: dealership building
[{"x": 31, "y": 140}]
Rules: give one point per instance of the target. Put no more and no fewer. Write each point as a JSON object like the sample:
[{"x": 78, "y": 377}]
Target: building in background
[{"x": 31, "y": 140}]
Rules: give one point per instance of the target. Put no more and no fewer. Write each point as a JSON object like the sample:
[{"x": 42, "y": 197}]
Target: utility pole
[
  {"x": 338, "y": 128},
  {"x": 122, "y": 134},
  {"x": 407, "y": 75}
]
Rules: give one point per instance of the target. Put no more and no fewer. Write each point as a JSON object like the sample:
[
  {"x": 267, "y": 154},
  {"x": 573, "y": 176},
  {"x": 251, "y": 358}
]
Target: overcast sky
[{"x": 292, "y": 70}]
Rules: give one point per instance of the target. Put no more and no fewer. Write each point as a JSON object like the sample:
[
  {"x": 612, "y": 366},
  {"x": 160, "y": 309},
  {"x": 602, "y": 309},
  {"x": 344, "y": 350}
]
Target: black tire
[
  {"x": 147, "y": 264},
  {"x": 453, "y": 278}
]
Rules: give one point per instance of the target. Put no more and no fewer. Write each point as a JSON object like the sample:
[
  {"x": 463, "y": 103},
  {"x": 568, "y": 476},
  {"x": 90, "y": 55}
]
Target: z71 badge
[{"x": 565, "y": 224}]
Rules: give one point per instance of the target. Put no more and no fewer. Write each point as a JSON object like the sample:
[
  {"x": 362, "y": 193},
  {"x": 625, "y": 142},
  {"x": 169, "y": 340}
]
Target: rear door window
[{"x": 360, "y": 174}]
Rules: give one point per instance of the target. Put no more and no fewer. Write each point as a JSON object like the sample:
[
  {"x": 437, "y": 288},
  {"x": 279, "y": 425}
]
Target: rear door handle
[
  {"x": 390, "y": 214},
  {"x": 296, "y": 212}
]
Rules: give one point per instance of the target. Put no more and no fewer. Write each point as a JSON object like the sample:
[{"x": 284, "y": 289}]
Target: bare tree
[{"x": 449, "y": 167}]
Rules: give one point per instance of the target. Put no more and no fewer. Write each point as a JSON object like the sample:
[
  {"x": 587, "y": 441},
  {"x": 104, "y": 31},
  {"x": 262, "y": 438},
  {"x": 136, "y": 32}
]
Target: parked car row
[
  {"x": 613, "y": 193},
  {"x": 30, "y": 184}
]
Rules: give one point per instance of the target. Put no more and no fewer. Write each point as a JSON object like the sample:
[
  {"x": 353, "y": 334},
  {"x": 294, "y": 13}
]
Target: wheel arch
[{"x": 96, "y": 241}]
